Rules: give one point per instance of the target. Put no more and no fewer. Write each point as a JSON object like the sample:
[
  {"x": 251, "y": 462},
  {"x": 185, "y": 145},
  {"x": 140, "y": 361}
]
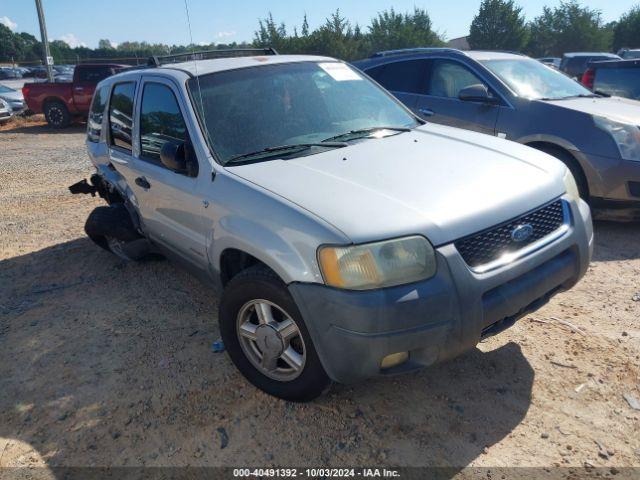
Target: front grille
[{"x": 489, "y": 245}]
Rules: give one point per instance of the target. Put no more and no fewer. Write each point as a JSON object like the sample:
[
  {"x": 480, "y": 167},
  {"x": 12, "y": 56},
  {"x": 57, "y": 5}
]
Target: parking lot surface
[{"x": 104, "y": 363}]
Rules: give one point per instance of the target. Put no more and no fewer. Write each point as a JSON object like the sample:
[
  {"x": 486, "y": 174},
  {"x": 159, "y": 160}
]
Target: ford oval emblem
[{"x": 522, "y": 233}]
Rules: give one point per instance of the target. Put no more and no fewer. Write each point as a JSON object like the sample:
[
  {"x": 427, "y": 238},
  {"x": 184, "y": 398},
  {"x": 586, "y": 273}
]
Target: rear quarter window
[{"x": 96, "y": 114}]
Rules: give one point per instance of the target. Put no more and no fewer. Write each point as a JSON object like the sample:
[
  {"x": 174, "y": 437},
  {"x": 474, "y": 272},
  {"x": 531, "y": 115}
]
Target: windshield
[
  {"x": 252, "y": 109},
  {"x": 531, "y": 79},
  {"x": 4, "y": 89}
]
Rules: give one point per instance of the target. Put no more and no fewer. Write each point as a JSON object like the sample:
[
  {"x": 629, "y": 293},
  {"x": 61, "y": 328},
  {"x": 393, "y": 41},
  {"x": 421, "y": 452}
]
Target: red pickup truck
[{"x": 61, "y": 102}]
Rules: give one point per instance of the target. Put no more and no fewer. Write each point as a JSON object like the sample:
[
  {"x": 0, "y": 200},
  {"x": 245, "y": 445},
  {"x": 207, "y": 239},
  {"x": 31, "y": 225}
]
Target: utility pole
[{"x": 48, "y": 59}]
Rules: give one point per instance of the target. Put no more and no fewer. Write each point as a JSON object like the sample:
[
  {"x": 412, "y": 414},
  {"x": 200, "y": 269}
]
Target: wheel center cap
[{"x": 269, "y": 341}]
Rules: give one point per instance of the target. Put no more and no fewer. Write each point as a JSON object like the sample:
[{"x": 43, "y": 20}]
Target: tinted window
[
  {"x": 121, "y": 114},
  {"x": 94, "y": 122},
  {"x": 400, "y": 76},
  {"x": 623, "y": 82},
  {"x": 160, "y": 120},
  {"x": 94, "y": 74},
  {"x": 448, "y": 78}
]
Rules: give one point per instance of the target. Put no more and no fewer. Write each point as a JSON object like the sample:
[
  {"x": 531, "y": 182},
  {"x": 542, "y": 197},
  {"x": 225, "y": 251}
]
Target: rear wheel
[
  {"x": 267, "y": 339},
  {"x": 111, "y": 228},
  {"x": 57, "y": 114}
]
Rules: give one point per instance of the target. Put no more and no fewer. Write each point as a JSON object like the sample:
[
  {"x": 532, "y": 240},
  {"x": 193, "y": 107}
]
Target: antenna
[{"x": 195, "y": 67}]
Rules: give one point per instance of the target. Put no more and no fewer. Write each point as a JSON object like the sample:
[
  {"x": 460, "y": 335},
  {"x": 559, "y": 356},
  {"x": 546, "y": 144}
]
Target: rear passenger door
[
  {"x": 441, "y": 104},
  {"x": 403, "y": 78}
]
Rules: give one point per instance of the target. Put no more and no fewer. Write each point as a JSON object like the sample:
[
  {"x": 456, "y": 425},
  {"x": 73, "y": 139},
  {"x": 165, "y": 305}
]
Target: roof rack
[
  {"x": 159, "y": 60},
  {"x": 408, "y": 51}
]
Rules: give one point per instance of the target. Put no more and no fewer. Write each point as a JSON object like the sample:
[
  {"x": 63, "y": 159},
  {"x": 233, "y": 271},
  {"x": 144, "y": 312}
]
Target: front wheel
[{"x": 266, "y": 338}]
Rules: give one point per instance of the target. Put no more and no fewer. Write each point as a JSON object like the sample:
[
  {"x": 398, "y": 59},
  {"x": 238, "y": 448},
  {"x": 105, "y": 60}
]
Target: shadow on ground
[
  {"x": 104, "y": 363},
  {"x": 616, "y": 241}
]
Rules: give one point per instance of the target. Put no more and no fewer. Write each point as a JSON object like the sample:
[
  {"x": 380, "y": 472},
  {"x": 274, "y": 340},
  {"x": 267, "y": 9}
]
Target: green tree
[
  {"x": 626, "y": 32},
  {"x": 566, "y": 28},
  {"x": 391, "y": 30},
  {"x": 499, "y": 25},
  {"x": 105, "y": 44}
]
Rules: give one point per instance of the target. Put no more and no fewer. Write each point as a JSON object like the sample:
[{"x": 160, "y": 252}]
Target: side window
[
  {"x": 121, "y": 114},
  {"x": 94, "y": 74},
  {"x": 160, "y": 121},
  {"x": 402, "y": 76},
  {"x": 448, "y": 78},
  {"x": 94, "y": 122}
]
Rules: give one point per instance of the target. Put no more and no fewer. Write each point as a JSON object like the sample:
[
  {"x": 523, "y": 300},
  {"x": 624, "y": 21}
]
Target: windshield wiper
[
  {"x": 270, "y": 151},
  {"x": 580, "y": 95},
  {"x": 364, "y": 131}
]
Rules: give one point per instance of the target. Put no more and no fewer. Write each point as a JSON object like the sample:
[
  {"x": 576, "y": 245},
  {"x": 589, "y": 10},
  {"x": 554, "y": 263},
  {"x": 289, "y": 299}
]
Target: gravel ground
[{"x": 104, "y": 363}]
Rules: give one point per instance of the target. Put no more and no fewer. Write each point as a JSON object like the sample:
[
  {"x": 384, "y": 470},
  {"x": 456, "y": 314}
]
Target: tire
[
  {"x": 111, "y": 228},
  {"x": 57, "y": 114},
  {"x": 573, "y": 167},
  {"x": 260, "y": 284}
]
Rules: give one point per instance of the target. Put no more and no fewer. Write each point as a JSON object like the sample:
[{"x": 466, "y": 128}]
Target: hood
[
  {"x": 438, "y": 181},
  {"x": 615, "y": 108}
]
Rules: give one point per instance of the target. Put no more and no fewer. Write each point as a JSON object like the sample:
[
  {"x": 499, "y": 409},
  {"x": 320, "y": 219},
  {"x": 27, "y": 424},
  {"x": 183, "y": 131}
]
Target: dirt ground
[{"x": 104, "y": 363}]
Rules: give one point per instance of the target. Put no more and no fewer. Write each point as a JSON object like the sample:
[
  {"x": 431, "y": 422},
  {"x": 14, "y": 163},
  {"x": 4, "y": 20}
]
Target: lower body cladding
[{"x": 360, "y": 334}]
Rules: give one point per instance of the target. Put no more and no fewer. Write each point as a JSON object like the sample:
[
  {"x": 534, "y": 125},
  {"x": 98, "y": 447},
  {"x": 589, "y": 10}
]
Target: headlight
[
  {"x": 626, "y": 136},
  {"x": 571, "y": 186},
  {"x": 377, "y": 265}
]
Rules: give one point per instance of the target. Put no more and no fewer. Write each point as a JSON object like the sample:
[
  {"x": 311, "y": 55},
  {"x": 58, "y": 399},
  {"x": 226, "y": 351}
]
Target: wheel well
[
  {"x": 568, "y": 159},
  {"x": 234, "y": 261}
]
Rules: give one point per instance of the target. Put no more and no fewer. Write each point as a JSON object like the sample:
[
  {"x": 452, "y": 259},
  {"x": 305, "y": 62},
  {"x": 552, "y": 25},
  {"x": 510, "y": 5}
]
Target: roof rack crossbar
[
  {"x": 159, "y": 60},
  {"x": 408, "y": 51}
]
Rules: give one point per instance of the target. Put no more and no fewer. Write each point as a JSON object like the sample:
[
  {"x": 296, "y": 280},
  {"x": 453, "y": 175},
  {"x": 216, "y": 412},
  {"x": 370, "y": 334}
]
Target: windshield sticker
[{"x": 339, "y": 71}]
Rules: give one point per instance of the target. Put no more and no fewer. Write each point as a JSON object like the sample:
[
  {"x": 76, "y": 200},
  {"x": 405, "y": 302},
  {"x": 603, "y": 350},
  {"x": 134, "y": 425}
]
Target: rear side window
[
  {"x": 94, "y": 122},
  {"x": 448, "y": 78},
  {"x": 94, "y": 74},
  {"x": 405, "y": 77},
  {"x": 622, "y": 82},
  {"x": 121, "y": 115},
  {"x": 160, "y": 121}
]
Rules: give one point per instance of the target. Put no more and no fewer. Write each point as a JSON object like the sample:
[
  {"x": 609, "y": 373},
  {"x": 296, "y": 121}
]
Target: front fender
[{"x": 280, "y": 234}]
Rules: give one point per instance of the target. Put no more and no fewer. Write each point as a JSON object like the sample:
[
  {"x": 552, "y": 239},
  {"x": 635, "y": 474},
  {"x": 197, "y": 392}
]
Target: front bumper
[
  {"x": 613, "y": 182},
  {"x": 441, "y": 317}
]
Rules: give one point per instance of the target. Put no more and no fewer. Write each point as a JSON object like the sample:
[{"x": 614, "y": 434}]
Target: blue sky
[{"x": 224, "y": 21}]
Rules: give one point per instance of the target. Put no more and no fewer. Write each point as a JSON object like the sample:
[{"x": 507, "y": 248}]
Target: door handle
[
  {"x": 142, "y": 182},
  {"x": 427, "y": 112}
]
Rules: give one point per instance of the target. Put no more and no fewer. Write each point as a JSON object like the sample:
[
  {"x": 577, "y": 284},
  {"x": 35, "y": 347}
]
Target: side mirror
[
  {"x": 172, "y": 156},
  {"x": 476, "y": 93},
  {"x": 180, "y": 157}
]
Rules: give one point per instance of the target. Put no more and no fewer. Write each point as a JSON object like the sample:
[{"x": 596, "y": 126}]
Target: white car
[{"x": 5, "y": 111}]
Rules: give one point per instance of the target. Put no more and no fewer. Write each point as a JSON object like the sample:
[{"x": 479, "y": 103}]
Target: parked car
[
  {"x": 62, "y": 101},
  {"x": 351, "y": 239},
  {"x": 576, "y": 63},
  {"x": 5, "y": 112},
  {"x": 614, "y": 77},
  {"x": 7, "y": 73},
  {"x": 551, "y": 61},
  {"x": 13, "y": 97},
  {"x": 629, "y": 54},
  {"x": 515, "y": 97}
]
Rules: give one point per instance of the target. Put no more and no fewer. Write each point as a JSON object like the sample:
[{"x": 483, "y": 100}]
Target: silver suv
[{"x": 350, "y": 238}]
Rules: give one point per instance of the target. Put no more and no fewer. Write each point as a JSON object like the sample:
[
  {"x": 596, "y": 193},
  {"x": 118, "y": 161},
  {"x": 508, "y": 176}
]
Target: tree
[
  {"x": 391, "y": 30},
  {"x": 626, "y": 32},
  {"x": 105, "y": 44},
  {"x": 568, "y": 27},
  {"x": 499, "y": 25}
]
